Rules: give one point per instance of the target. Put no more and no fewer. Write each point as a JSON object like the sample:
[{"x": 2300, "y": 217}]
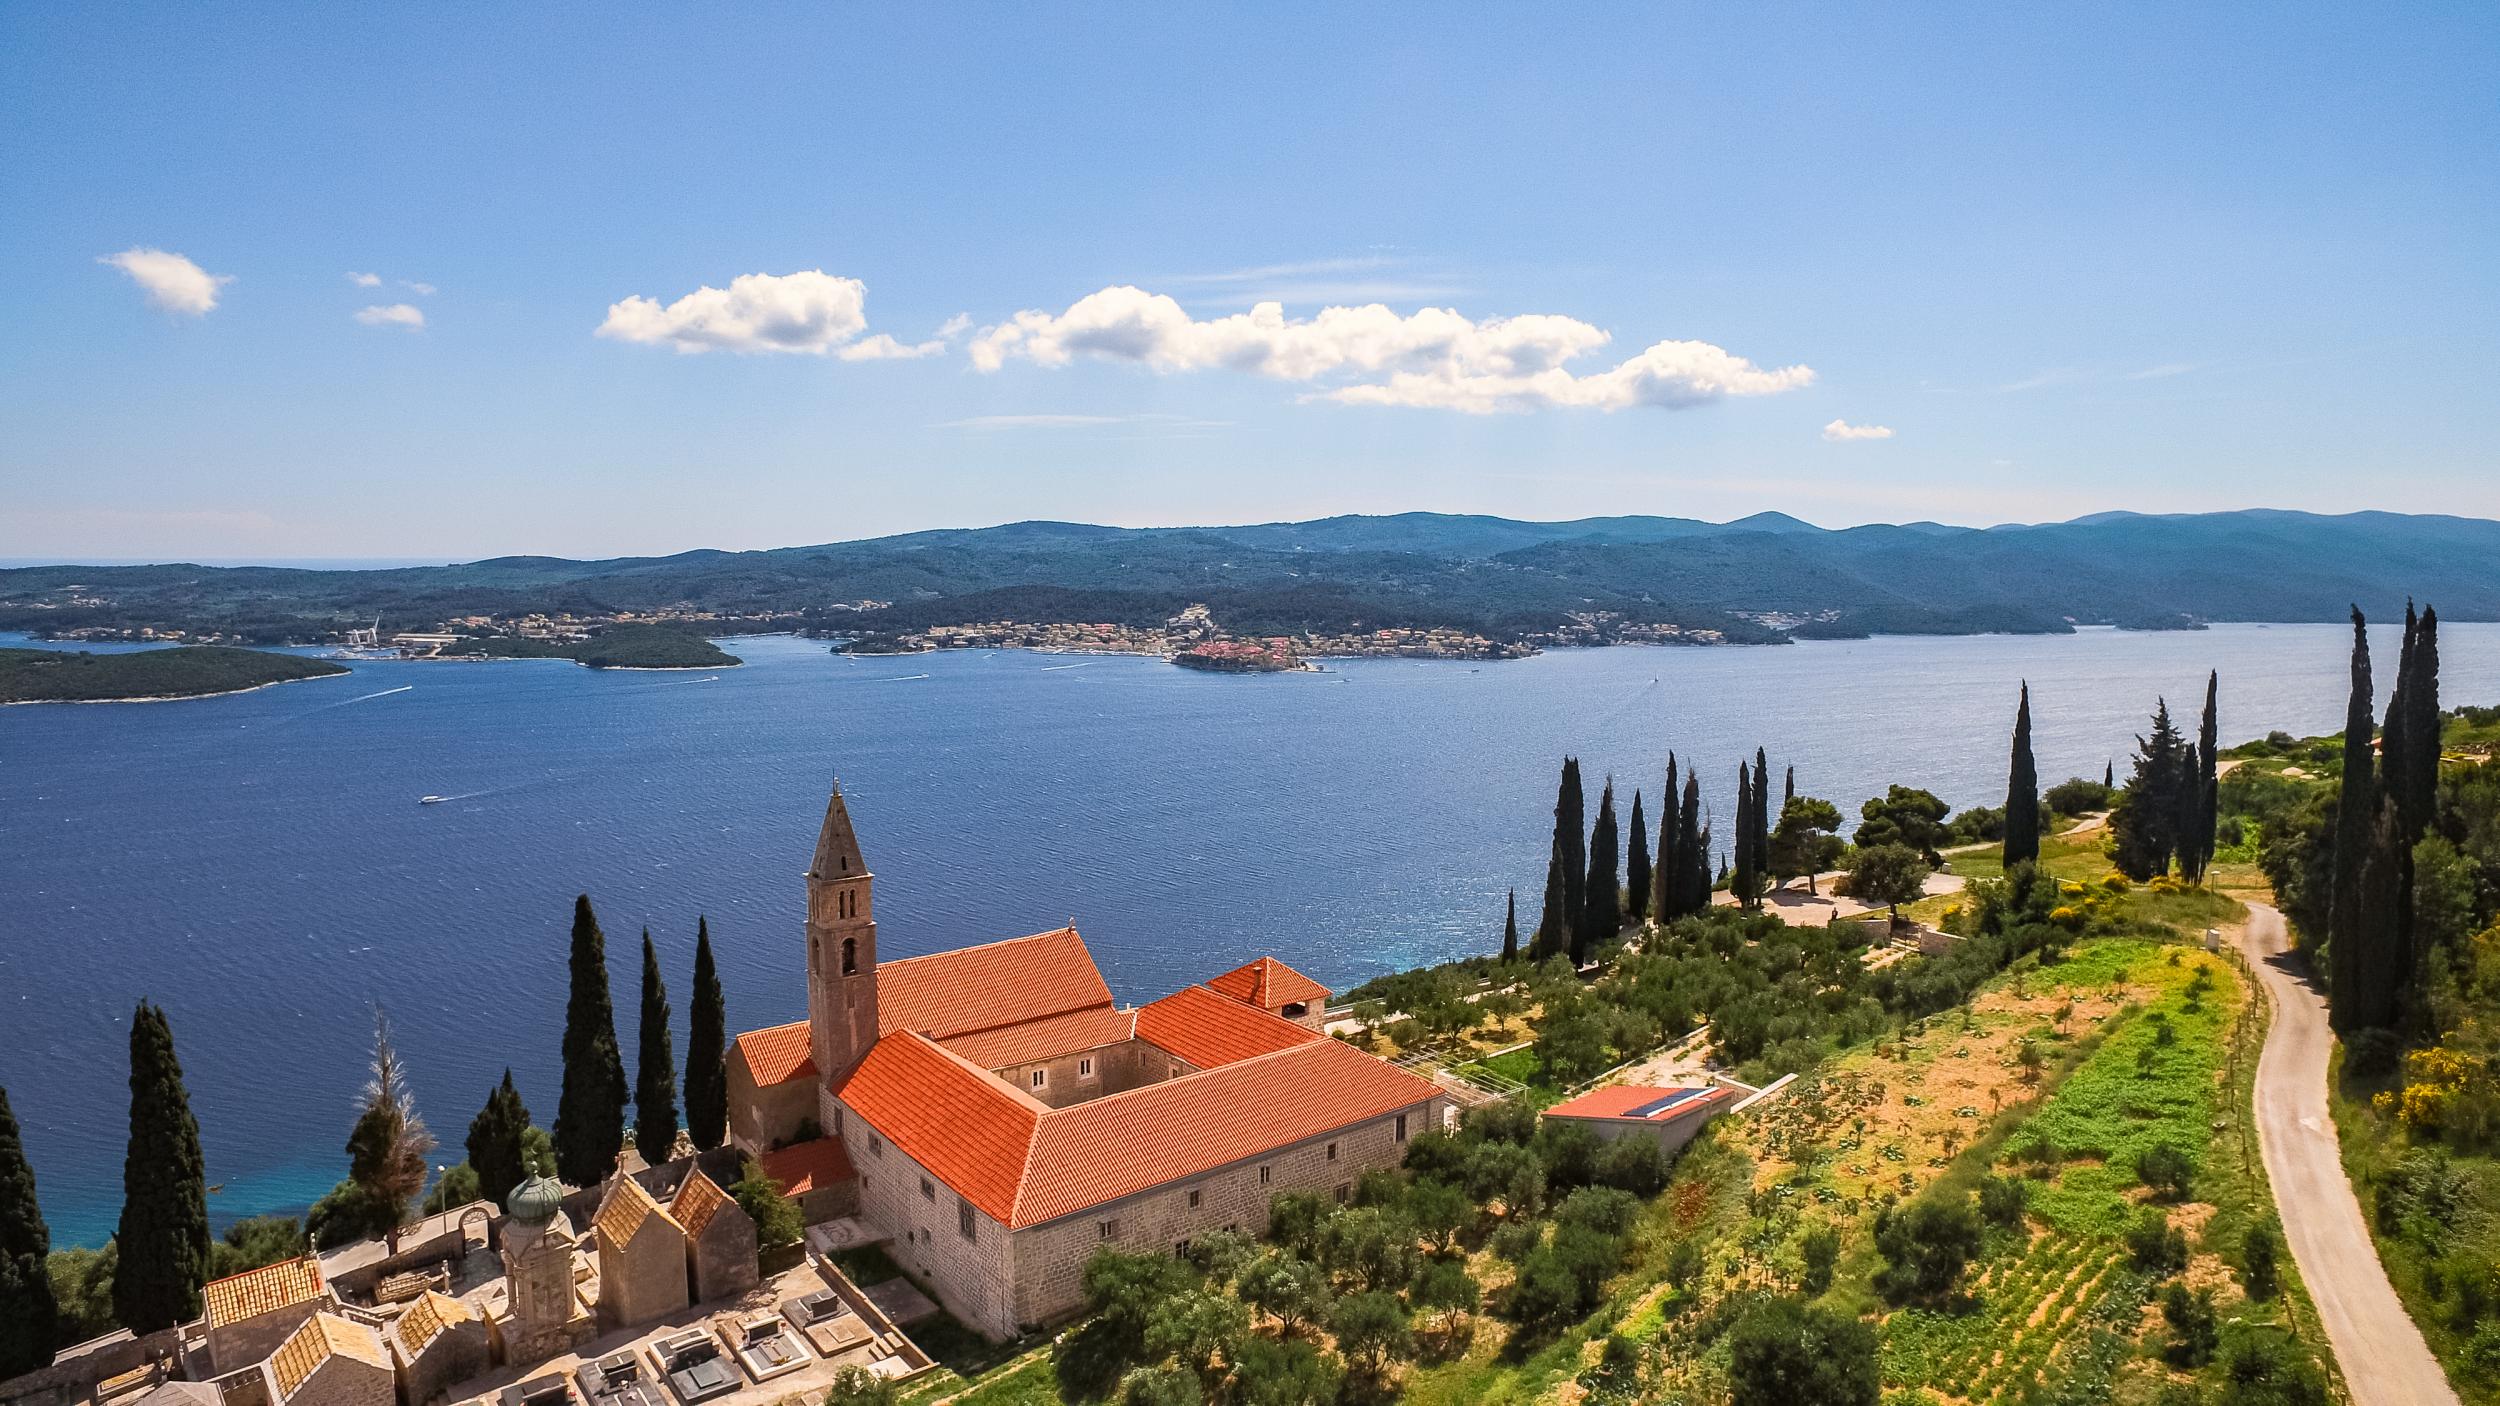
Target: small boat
[{"x": 432, "y": 800}]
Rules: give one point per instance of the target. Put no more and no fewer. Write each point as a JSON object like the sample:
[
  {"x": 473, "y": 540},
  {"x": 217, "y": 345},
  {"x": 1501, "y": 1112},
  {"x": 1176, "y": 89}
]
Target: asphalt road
[{"x": 2384, "y": 1359}]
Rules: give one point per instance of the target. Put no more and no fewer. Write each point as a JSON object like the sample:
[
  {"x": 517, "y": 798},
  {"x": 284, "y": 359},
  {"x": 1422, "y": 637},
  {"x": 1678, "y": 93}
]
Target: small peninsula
[
  {"x": 189, "y": 671},
  {"x": 1240, "y": 657},
  {"x": 617, "y": 647}
]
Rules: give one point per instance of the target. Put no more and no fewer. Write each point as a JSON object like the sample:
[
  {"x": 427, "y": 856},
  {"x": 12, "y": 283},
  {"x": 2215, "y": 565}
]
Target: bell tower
[{"x": 841, "y": 955}]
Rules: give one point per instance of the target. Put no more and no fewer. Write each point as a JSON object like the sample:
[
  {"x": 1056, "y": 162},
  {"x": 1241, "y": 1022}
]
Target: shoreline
[{"x": 178, "y": 697}]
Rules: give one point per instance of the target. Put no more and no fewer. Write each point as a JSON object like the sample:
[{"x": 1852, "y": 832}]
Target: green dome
[{"x": 535, "y": 1201}]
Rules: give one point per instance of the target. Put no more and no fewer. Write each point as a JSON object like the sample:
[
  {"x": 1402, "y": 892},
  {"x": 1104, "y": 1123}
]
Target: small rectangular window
[
  {"x": 1193, "y": 1200},
  {"x": 1106, "y": 1230},
  {"x": 1040, "y": 1077},
  {"x": 1175, "y": 1071},
  {"x": 1345, "y": 1193},
  {"x": 1401, "y": 1127},
  {"x": 1332, "y": 1152},
  {"x": 1085, "y": 1069},
  {"x": 876, "y": 1144},
  {"x": 837, "y": 1120},
  {"x": 963, "y": 1219},
  {"x": 927, "y": 1191},
  {"x": 1266, "y": 1175}
]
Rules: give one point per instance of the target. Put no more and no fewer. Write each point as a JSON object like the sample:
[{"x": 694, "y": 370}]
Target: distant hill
[{"x": 1511, "y": 579}]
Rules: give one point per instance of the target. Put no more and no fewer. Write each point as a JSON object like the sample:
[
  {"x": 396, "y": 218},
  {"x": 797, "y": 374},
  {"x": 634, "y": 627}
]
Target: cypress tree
[
  {"x": 1570, "y": 820},
  {"x": 1761, "y": 833},
  {"x": 2356, "y": 809},
  {"x": 2379, "y": 970},
  {"x": 29, "y": 1319},
  {"x": 1551, "y": 934},
  {"x": 2022, "y": 792},
  {"x": 163, "y": 1238},
  {"x": 1788, "y": 790},
  {"x": 2109, "y": 776},
  {"x": 1510, "y": 930},
  {"x": 2209, "y": 773},
  {"x": 1692, "y": 848},
  {"x": 1666, "y": 876},
  {"x": 1601, "y": 917},
  {"x": 707, "y": 1050},
  {"x": 590, "y": 1114},
  {"x": 655, "y": 1066},
  {"x": 1740, "y": 873},
  {"x": 1636, "y": 877},
  {"x": 496, "y": 1142},
  {"x": 2190, "y": 802}
]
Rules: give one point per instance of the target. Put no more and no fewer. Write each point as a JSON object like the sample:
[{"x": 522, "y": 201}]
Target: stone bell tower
[{"x": 841, "y": 956}]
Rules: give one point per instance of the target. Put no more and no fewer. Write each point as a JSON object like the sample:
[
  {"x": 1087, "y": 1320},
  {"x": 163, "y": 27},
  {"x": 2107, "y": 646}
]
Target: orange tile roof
[
  {"x": 777, "y": 1054},
  {"x": 997, "y": 984},
  {"x": 697, "y": 1198},
  {"x": 1267, "y": 984},
  {"x": 322, "y": 1337},
  {"x": 804, "y": 1166},
  {"x": 1209, "y": 1030},
  {"x": 1046, "y": 1038},
  {"x": 1619, "y": 1100},
  {"x": 951, "y": 1116},
  {"x": 264, "y": 1290},
  {"x": 1021, "y": 1163},
  {"x": 426, "y": 1319},
  {"x": 626, "y": 1210}
]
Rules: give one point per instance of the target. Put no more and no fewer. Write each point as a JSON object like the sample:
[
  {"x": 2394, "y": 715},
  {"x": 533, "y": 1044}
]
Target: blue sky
[{"x": 2073, "y": 258}]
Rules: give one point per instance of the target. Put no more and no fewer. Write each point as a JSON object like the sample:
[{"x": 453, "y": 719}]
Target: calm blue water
[{"x": 259, "y": 864}]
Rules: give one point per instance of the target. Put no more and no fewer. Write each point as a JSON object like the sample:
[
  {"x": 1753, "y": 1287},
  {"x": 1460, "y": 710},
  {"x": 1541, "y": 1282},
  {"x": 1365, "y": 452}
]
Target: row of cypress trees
[
  {"x": 2383, "y": 808},
  {"x": 2168, "y": 809},
  {"x": 590, "y": 1112},
  {"x": 1590, "y": 901}
]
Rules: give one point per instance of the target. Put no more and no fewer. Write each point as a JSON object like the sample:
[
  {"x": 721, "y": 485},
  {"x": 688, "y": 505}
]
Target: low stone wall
[{"x": 75, "y": 1373}]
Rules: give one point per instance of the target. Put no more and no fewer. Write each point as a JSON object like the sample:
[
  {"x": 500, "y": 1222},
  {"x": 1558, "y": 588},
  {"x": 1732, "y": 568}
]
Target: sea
[{"x": 260, "y": 865}]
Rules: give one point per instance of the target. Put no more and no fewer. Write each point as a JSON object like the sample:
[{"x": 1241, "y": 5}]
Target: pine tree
[
  {"x": 2209, "y": 773},
  {"x": 1570, "y": 826},
  {"x": 163, "y": 1241},
  {"x": 386, "y": 1150},
  {"x": 2022, "y": 792},
  {"x": 655, "y": 1066},
  {"x": 707, "y": 1050},
  {"x": 1636, "y": 877},
  {"x": 1601, "y": 916},
  {"x": 29, "y": 1319},
  {"x": 1692, "y": 848},
  {"x": 497, "y": 1139},
  {"x": 1551, "y": 935},
  {"x": 1666, "y": 879},
  {"x": 2144, "y": 824},
  {"x": 2356, "y": 810},
  {"x": 590, "y": 1114},
  {"x": 1510, "y": 930}
]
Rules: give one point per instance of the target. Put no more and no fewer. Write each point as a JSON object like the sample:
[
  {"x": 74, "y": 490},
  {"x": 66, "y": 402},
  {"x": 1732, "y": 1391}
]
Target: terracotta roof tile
[
  {"x": 1090, "y": 1153},
  {"x": 626, "y": 1209},
  {"x": 947, "y": 994},
  {"x": 323, "y": 1336},
  {"x": 967, "y": 1127},
  {"x": 805, "y": 1166},
  {"x": 426, "y": 1319},
  {"x": 697, "y": 1198},
  {"x": 1210, "y": 1031},
  {"x": 1046, "y": 1038},
  {"x": 264, "y": 1290},
  {"x": 778, "y": 1054},
  {"x": 1268, "y": 984},
  {"x": 1621, "y": 1101}
]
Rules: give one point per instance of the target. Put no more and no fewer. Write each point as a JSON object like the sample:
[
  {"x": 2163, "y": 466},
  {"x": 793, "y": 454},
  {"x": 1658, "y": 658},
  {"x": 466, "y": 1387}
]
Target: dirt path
[{"x": 2384, "y": 1359}]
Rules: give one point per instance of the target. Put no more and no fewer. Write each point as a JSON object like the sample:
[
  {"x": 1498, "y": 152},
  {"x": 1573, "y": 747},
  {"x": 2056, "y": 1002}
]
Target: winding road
[{"x": 2384, "y": 1359}]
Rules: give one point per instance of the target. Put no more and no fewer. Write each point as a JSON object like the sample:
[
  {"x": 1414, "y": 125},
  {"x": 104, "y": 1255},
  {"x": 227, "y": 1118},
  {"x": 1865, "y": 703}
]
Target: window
[
  {"x": 963, "y": 1219},
  {"x": 1174, "y": 1072},
  {"x": 1295, "y": 1010},
  {"x": 1085, "y": 1068},
  {"x": 837, "y": 1120},
  {"x": 1401, "y": 1127},
  {"x": 1193, "y": 1200},
  {"x": 1266, "y": 1175},
  {"x": 876, "y": 1146},
  {"x": 1332, "y": 1152},
  {"x": 1345, "y": 1192},
  {"x": 1180, "y": 1249},
  {"x": 1041, "y": 1078},
  {"x": 850, "y": 956},
  {"x": 927, "y": 1191},
  {"x": 1106, "y": 1230}
]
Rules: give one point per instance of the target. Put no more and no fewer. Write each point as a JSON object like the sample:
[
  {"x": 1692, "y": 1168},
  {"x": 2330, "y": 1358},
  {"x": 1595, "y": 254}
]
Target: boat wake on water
[
  {"x": 360, "y": 698},
  {"x": 1055, "y": 668}
]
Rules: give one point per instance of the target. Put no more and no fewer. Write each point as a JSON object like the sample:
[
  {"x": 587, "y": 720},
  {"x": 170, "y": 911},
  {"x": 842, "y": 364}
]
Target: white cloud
[
  {"x": 393, "y": 315},
  {"x": 1841, "y": 430},
  {"x": 171, "y": 281},
  {"x": 955, "y": 326},
  {"x": 1370, "y": 355},
  {"x": 810, "y": 312},
  {"x": 422, "y": 290},
  {"x": 365, "y": 280}
]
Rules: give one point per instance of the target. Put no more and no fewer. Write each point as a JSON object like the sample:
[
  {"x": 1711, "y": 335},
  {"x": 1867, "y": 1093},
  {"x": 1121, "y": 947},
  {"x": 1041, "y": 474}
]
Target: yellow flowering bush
[
  {"x": 2116, "y": 882},
  {"x": 2066, "y": 915}
]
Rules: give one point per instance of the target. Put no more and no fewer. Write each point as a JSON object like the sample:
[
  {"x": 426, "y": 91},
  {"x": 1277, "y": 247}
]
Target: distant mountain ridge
[{"x": 1757, "y": 579}]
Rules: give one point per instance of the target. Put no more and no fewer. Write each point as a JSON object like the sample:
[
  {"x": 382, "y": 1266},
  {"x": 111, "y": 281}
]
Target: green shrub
[
  {"x": 2167, "y": 1170},
  {"x": 1926, "y": 1248},
  {"x": 2259, "y": 1273}
]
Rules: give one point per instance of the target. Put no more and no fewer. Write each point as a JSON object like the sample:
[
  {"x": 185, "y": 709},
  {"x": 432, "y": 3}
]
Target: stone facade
[
  {"x": 332, "y": 1361},
  {"x": 765, "y": 1117},
  {"x": 642, "y": 1257},
  {"x": 437, "y": 1343},
  {"x": 1089, "y": 1074},
  {"x": 543, "y": 1314},
  {"x": 974, "y": 1278},
  {"x": 841, "y": 955},
  {"x": 720, "y": 1239}
]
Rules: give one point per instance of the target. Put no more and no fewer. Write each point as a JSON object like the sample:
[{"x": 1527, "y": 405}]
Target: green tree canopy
[
  {"x": 1889, "y": 874},
  {"x": 1785, "y": 1353},
  {"x": 1905, "y": 815},
  {"x": 707, "y": 1050},
  {"x": 29, "y": 1316},
  {"x": 590, "y": 1114},
  {"x": 496, "y": 1142},
  {"x": 387, "y": 1148},
  {"x": 2022, "y": 792},
  {"x": 1807, "y": 841},
  {"x": 655, "y": 1066},
  {"x": 163, "y": 1238}
]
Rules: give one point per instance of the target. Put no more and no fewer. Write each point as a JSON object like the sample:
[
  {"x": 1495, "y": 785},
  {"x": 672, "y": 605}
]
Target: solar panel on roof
[{"x": 1657, "y": 1106}]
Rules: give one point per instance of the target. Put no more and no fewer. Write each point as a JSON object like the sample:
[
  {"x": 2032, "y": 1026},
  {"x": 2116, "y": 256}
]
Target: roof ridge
[
  {"x": 1068, "y": 928},
  {"x": 1010, "y": 1092},
  {"x": 1102, "y": 1005}
]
